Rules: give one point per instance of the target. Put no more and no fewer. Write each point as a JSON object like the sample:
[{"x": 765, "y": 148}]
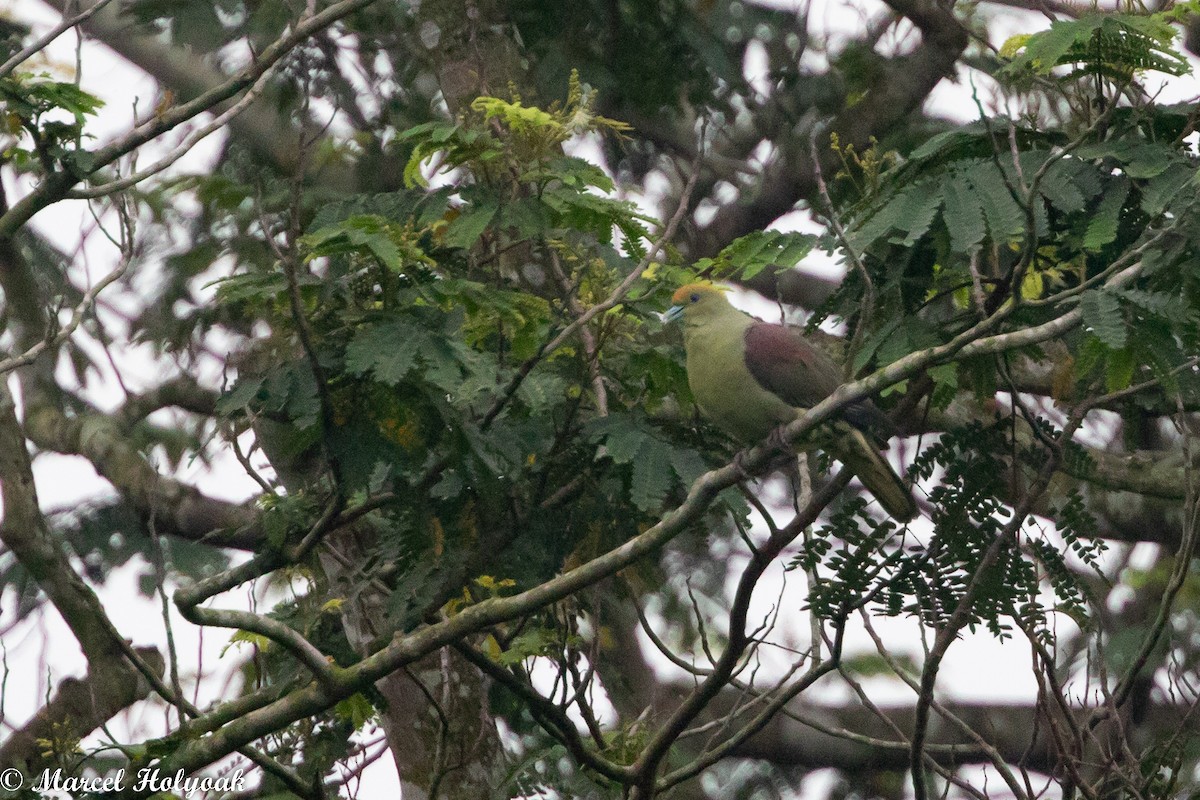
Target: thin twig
[
  {"x": 997, "y": 760},
  {"x": 590, "y": 351},
  {"x": 961, "y": 614},
  {"x": 867, "y": 309},
  {"x": 58, "y": 30},
  {"x": 183, "y": 148},
  {"x": 77, "y": 316}
]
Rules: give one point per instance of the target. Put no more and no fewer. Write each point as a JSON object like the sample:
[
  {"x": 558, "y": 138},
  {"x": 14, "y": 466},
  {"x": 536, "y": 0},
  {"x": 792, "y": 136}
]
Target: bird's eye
[{"x": 695, "y": 298}]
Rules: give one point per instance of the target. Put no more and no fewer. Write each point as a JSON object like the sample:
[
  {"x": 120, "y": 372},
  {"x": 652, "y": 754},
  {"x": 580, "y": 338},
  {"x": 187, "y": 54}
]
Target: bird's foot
[
  {"x": 739, "y": 463},
  {"x": 776, "y": 439}
]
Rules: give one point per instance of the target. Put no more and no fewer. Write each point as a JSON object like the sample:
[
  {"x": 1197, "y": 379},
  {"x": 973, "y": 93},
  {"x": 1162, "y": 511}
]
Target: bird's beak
[{"x": 673, "y": 313}]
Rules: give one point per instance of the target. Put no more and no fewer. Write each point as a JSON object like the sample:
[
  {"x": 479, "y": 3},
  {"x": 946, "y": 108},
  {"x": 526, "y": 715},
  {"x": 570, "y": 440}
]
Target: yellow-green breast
[{"x": 724, "y": 389}]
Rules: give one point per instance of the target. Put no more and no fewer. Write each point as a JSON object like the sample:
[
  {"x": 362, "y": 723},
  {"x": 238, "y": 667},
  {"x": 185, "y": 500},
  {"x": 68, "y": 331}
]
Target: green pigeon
[{"x": 749, "y": 377}]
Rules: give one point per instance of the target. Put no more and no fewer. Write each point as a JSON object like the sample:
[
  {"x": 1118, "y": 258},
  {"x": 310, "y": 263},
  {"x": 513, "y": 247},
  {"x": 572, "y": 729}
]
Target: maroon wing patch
[
  {"x": 802, "y": 376},
  {"x": 788, "y": 366}
]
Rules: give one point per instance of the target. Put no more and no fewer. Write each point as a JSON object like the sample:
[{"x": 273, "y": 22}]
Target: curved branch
[
  {"x": 180, "y": 392},
  {"x": 266, "y": 131},
  {"x": 41, "y": 44},
  {"x": 79, "y": 706},
  {"x": 56, "y": 185},
  {"x": 178, "y": 509},
  {"x": 111, "y": 661},
  {"x": 847, "y": 737}
]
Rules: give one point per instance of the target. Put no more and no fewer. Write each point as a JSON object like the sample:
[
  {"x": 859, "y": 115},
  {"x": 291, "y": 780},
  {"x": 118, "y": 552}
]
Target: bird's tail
[{"x": 863, "y": 458}]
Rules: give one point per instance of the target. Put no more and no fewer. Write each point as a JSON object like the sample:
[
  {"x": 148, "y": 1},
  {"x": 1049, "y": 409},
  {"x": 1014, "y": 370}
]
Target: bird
[{"x": 749, "y": 377}]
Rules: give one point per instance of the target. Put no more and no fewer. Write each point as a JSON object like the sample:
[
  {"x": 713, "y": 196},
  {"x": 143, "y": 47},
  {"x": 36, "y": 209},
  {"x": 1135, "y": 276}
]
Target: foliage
[
  {"x": 748, "y": 255},
  {"x": 34, "y": 111},
  {"x": 1113, "y": 46},
  {"x": 462, "y": 395}
]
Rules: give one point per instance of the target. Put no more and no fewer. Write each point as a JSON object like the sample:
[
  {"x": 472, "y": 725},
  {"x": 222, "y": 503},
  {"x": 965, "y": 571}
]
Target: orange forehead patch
[{"x": 687, "y": 290}]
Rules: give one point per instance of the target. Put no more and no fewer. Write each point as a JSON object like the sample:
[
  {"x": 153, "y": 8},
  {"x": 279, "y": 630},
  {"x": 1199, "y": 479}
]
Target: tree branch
[
  {"x": 78, "y": 707},
  {"x": 56, "y": 185},
  {"x": 25, "y": 533},
  {"x": 178, "y": 509},
  {"x": 268, "y": 133}
]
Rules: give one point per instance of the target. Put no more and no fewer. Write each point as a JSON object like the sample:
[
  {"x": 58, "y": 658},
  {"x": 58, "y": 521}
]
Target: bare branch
[
  {"x": 188, "y": 75},
  {"x": 77, "y": 316},
  {"x": 179, "y": 509},
  {"x": 56, "y": 185},
  {"x": 41, "y": 44}
]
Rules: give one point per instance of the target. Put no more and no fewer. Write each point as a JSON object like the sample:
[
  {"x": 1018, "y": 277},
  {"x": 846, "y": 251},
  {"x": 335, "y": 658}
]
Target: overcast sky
[{"x": 42, "y": 651}]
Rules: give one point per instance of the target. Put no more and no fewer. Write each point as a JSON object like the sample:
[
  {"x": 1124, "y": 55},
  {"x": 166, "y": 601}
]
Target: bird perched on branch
[{"x": 749, "y": 377}]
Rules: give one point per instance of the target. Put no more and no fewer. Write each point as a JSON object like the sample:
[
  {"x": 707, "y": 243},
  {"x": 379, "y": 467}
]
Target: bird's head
[{"x": 697, "y": 301}]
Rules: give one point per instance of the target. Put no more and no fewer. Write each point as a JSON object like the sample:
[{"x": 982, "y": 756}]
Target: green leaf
[
  {"x": 963, "y": 215},
  {"x": 469, "y": 225},
  {"x": 362, "y": 232},
  {"x": 241, "y": 396},
  {"x": 356, "y": 709},
  {"x": 885, "y": 215},
  {"x": 443, "y": 360},
  {"x": 623, "y": 439},
  {"x": 30, "y": 96},
  {"x": 688, "y": 465},
  {"x": 652, "y": 475},
  {"x": 291, "y": 388},
  {"x": 530, "y": 643},
  {"x": 1147, "y": 160},
  {"x": 1045, "y": 50},
  {"x": 1061, "y": 191},
  {"x": 875, "y": 341},
  {"x": 542, "y": 391},
  {"x": 517, "y": 116},
  {"x": 946, "y": 140},
  {"x": 367, "y": 233},
  {"x": 596, "y": 215},
  {"x": 917, "y": 208},
  {"x": 1120, "y": 368},
  {"x": 1160, "y": 304},
  {"x": 424, "y": 208},
  {"x": 1107, "y": 44},
  {"x": 750, "y": 254},
  {"x": 388, "y": 350},
  {"x": 1160, "y": 191},
  {"x": 1102, "y": 229},
  {"x": 250, "y": 286},
  {"x": 573, "y": 172},
  {"x": 945, "y": 384},
  {"x": 1005, "y": 219},
  {"x": 655, "y": 464},
  {"x": 1102, "y": 315}
]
